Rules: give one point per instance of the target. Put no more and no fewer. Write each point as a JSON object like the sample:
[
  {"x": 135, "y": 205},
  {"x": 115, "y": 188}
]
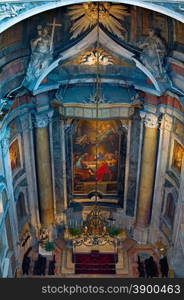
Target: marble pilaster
[
  {"x": 146, "y": 176},
  {"x": 29, "y": 157},
  {"x": 163, "y": 157},
  {"x": 44, "y": 170}
]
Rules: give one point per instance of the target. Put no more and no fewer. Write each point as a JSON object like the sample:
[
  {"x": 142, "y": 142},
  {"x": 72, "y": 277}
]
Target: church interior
[{"x": 91, "y": 139}]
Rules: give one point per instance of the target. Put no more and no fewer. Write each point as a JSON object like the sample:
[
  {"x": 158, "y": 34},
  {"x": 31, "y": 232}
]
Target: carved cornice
[{"x": 118, "y": 111}]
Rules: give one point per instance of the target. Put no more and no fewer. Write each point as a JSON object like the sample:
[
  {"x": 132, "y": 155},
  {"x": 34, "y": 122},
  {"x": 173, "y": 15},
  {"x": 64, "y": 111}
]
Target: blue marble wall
[
  {"x": 58, "y": 165},
  {"x": 132, "y": 178}
]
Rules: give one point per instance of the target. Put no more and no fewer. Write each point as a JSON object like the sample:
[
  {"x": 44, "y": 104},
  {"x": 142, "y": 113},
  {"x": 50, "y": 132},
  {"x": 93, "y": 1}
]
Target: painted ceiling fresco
[
  {"x": 123, "y": 23},
  {"x": 113, "y": 34},
  {"x": 134, "y": 45}
]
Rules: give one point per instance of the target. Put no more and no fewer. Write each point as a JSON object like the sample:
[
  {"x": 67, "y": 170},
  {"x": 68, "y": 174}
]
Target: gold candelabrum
[
  {"x": 161, "y": 247},
  {"x": 44, "y": 237}
]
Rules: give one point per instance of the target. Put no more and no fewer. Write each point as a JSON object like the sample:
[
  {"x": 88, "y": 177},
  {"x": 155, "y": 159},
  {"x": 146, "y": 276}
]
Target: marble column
[
  {"x": 147, "y": 170},
  {"x": 44, "y": 170},
  {"x": 27, "y": 138},
  {"x": 63, "y": 125},
  {"x": 162, "y": 165}
]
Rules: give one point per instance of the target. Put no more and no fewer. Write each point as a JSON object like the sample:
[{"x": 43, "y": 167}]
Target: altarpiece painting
[{"x": 96, "y": 157}]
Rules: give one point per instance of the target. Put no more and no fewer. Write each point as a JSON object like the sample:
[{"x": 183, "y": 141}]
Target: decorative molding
[
  {"x": 104, "y": 112},
  {"x": 151, "y": 121}
]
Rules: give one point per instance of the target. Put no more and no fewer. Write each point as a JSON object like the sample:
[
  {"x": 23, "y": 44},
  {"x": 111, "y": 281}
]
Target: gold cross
[{"x": 53, "y": 31}]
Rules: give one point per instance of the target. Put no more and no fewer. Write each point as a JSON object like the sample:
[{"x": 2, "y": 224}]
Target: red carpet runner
[{"x": 95, "y": 263}]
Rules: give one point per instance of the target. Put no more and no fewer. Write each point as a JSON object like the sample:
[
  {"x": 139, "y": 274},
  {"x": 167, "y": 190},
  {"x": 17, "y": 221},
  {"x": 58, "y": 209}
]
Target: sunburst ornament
[{"x": 85, "y": 16}]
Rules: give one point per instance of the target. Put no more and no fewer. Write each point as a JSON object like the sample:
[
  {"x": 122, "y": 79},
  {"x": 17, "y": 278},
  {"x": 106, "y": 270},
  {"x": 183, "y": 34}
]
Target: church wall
[
  {"x": 176, "y": 251},
  {"x": 22, "y": 165},
  {"x": 21, "y": 177},
  {"x": 8, "y": 223},
  {"x": 58, "y": 163},
  {"x": 167, "y": 215},
  {"x": 14, "y": 52}
]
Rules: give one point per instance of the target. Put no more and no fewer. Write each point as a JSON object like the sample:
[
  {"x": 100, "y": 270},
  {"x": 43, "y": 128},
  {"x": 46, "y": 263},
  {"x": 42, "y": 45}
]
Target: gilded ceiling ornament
[
  {"x": 85, "y": 16},
  {"x": 91, "y": 57}
]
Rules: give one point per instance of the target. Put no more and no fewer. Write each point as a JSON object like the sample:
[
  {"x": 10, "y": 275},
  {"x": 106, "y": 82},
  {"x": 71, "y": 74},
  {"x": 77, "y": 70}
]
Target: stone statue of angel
[
  {"x": 153, "y": 54},
  {"x": 41, "y": 53}
]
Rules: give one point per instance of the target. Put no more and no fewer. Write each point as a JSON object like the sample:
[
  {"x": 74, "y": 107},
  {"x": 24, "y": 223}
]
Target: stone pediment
[{"x": 133, "y": 71}]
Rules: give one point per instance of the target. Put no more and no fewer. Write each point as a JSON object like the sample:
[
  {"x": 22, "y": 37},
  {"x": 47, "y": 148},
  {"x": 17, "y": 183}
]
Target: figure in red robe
[{"x": 102, "y": 170}]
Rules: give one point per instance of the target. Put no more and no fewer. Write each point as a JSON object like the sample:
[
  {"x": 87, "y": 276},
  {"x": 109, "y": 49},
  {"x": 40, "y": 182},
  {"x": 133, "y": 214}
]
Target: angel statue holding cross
[{"x": 41, "y": 52}]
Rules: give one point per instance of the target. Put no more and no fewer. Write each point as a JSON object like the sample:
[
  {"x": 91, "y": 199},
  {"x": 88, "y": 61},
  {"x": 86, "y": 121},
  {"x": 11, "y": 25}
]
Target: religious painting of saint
[
  {"x": 15, "y": 155},
  {"x": 178, "y": 152},
  {"x": 95, "y": 157},
  {"x": 179, "y": 129}
]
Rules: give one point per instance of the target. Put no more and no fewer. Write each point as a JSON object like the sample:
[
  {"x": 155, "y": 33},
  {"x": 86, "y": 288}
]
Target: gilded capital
[
  {"x": 151, "y": 120},
  {"x": 167, "y": 122},
  {"x": 41, "y": 121}
]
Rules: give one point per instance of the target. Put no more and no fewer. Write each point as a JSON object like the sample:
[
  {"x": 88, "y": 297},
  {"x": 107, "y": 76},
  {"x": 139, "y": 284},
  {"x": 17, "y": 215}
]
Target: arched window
[
  {"x": 21, "y": 208},
  {"x": 170, "y": 209}
]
